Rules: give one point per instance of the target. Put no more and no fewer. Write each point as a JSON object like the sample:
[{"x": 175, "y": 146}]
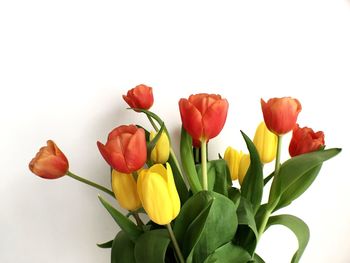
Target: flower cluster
[{"x": 205, "y": 218}]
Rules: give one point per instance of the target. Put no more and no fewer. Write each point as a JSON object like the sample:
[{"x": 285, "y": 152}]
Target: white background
[{"x": 64, "y": 66}]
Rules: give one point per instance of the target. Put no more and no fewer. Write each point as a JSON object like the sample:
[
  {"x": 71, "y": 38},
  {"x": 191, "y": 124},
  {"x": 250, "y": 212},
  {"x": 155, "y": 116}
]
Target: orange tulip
[
  {"x": 305, "y": 140},
  {"x": 125, "y": 149},
  {"x": 49, "y": 162},
  {"x": 203, "y": 115},
  {"x": 280, "y": 114},
  {"x": 140, "y": 97}
]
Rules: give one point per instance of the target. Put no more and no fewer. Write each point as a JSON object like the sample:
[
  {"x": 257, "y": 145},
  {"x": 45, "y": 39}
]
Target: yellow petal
[
  {"x": 266, "y": 143},
  {"x": 174, "y": 196},
  {"x": 160, "y": 153},
  {"x": 233, "y": 158},
  {"x": 243, "y": 167},
  {"x": 156, "y": 200},
  {"x": 125, "y": 190}
]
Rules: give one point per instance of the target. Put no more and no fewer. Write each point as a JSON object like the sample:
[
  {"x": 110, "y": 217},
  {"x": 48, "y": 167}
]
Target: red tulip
[
  {"x": 305, "y": 140},
  {"x": 125, "y": 149},
  {"x": 49, "y": 162},
  {"x": 203, "y": 115},
  {"x": 280, "y": 114},
  {"x": 140, "y": 97}
]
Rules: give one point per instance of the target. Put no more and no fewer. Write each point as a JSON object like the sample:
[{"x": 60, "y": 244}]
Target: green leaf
[
  {"x": 222, "y": 177},
  {"x": 152, "y": 246},
  {"x": 152, "y": 143},
  {"x": 258, "y": 259},
  {"x": 207, "y": 221},
  {"x": 234, "y": 195},
  {"x": 253, "y": 184},
  {"x": 122, "y": 249},
  {"x": 247, "y": 232},
  {"x": 229, "y": 253},
  {"x": 297, "y": 170},
  {"x": 124, "y": 223},
  {"x": 188, "y": 161},
  {"x": 298, "y": 227},
  {"x": 107, "y": 244},
  {"x": 298, "y": 187},
  {"x": 179, "y": 182}
]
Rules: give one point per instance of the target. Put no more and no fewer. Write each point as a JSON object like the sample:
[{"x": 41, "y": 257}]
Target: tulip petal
[
  {"x": 156, "y": 200},
  {"x": 159, "y": 169},
  {"x": 214, "y": 118},
  {"x": 191, "y": 119},
  {"x": 174, "y": 196},
  {"x": 136, "y": 151}
]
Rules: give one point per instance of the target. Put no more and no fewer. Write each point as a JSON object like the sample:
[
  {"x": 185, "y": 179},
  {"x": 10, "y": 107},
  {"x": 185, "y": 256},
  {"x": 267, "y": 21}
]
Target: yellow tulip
[
  {"x": 158, "y": 194},
  {"x": 160, "y": 153},
  {"x": 243, "y": 167},
  {"x": 266, "y": 143},
  {"x": 125, "y": 190},
  {"x": 233, "y": 158}
]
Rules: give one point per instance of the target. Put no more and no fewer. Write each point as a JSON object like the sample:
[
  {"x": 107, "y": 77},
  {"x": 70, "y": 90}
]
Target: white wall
[{"x": 65, "y": 64}]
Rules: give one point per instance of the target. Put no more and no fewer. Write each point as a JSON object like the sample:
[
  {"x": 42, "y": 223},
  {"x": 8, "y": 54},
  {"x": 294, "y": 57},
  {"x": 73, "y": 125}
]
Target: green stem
[
  {"x": 85, "y": 181},
  {"x": 278, "y": 155},
  {"x": 277, "y": 169},
  {"x": 172, "y": 154},
  {"x": 204, "y": 164},
  {"x": 176, "y": 245},
  {"x": 137, "y": 218},
  {"x": 154, "y": 125}
]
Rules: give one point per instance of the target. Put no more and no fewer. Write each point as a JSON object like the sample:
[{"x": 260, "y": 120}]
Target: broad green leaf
[
  {"x": 107, "y": 244},
  {"x": 124, "y": 223},
  {"x": 188, "y": 161},
  {"x": 206, "y": 221},
  {"x": 152, "y": 246},
  {"x": 211, "y": 173},
  {"x": 258, "y": 259},
  {"x": 247, "y": 233},
  {"x": 295, "y": 168},
  {"x": 298, "y": 227},
  {"x": 298, "y": 187},
  {"x": 122, "y": 249},
  {"x": 222, "y": 177},
  {"x": 234, "y": 195},
  {"x": 229, "y": 253},
  {"x": 253, "y": 184}
]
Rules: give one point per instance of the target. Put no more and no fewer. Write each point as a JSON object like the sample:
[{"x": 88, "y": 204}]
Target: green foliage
[
  {"x": 298, "y": 227},
  {"x": 122, "y": 249},
  {"x": 229, "y": 253},
  {"x": 253, "y": 183}
]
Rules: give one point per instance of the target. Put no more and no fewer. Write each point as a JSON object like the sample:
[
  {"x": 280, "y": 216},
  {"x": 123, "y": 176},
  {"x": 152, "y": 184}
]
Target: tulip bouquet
[{"x": 194, "y": 212}]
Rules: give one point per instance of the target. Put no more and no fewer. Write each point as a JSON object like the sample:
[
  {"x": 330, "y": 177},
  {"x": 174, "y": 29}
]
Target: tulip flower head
[
  {"x": 265, "y": 143},
  {"x": 203, "y": 115},
  {"x": 305, "y": 140},
  {"x": 158, "y": 194},
  {"x": 160, "y": 152},
  {"x": 49, "y": 162},
  {"x": 125, "y": 190},
  {"x": 140, "y": 97},
  {"x": 280, "y": 114},
  {"x": 233, "y": 159},
  {"x": 125, "y": 149}
]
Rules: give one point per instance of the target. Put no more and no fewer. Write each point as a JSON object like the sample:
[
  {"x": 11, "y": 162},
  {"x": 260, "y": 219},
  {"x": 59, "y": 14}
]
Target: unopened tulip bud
[
  {"x": 49, "y": 162},
  {"x": 233, "y": 158},
  {"x": 160, "y": 152},
  {"x": 125, "y": 190},
  {"x": 265, "y": 143}
]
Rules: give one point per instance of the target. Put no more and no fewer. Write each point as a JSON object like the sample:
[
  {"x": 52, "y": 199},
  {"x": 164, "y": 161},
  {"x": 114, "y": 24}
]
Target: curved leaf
[
  {"x": 212, "y": 224},
  {"x": 295, "y": 168},
  {"x": 152, "y": 246},
  {"x": 122, "y": 249},
  {"x": 298, "y": 227},
  {"x": 188, "y": 161},
  {"x": 107, "y": 244},
  {"x": 253, "y": 183},
  {"x": 258, "y": 259},
  {"x": 229, "y": 253},
  {"x": 124, "y": 223}
]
